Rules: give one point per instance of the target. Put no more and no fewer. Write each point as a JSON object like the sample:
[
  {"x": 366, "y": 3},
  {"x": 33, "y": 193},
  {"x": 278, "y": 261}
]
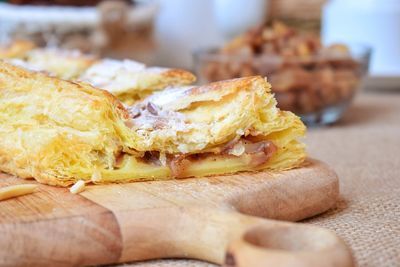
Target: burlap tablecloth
[{"x": 364, "y": 149}]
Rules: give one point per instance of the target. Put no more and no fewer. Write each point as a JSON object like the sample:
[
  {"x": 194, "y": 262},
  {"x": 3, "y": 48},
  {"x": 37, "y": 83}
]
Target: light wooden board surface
[{"x": 193, "y": 218}]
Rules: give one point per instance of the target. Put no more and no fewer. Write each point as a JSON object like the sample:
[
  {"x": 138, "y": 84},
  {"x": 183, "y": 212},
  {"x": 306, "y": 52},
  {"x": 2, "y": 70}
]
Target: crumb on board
[
  {"x": 96, "y": 176},
  {"x": 16, "y": 190},
  {"x": 78, "y": 187}
]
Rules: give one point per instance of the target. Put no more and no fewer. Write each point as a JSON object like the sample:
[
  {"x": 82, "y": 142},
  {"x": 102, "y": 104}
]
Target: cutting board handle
[
  {"x": 283, "y": 244},
  {"x": 231, "y": 238}
]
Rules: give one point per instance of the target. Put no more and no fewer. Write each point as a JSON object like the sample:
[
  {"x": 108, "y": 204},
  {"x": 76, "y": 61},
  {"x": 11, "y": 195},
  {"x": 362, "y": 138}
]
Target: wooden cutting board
[{"x": 201, "y": 218}]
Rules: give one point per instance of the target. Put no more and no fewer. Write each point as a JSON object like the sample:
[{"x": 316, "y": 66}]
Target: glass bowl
[{"x": 318, "y": 88}]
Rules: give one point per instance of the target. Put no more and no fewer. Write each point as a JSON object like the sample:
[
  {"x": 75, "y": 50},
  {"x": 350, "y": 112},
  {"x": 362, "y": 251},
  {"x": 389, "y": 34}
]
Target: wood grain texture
[
  {"x": 193, "y": 218},
  {"x": 53, "y": 227}
]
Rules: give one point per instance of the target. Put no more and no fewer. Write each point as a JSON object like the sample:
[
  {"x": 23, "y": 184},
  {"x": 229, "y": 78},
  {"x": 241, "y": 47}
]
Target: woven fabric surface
[{"x": 364, "y": 149}]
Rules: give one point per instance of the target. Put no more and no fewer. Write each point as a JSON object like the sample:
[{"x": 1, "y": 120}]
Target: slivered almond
[
  {"x": 16, "y": 190},
  {"x": 78, "y": 187}
]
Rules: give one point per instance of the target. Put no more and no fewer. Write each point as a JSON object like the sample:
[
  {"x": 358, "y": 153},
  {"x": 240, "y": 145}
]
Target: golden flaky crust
[
  {"x": 60, "y": 132},
  {"x": 15, "y": 73},
  {"x": 179, "y": 75},
  {"x": 46, "y": 122}
]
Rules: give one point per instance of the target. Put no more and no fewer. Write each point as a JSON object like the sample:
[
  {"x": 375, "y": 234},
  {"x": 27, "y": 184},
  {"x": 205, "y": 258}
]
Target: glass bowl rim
[{"x": 358, "y": 52}]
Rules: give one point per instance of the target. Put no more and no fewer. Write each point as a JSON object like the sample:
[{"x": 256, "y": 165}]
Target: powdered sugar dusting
[{"x": 169, "y": 95}]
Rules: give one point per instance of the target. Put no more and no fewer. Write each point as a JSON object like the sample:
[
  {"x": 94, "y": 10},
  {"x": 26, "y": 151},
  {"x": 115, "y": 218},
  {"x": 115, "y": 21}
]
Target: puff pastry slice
[{"x": 60, "y": 132}]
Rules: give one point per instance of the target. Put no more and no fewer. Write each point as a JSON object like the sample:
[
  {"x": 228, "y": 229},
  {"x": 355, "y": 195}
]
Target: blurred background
[{"x": 315, "y": 53}]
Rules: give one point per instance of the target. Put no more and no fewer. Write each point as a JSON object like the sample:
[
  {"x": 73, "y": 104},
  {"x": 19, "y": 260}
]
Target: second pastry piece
[{"x": 131, "y": 81}]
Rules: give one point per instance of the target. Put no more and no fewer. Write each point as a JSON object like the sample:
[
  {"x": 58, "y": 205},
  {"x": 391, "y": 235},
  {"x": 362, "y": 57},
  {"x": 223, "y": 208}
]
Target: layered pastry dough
[{"x": 60, "y": 132}]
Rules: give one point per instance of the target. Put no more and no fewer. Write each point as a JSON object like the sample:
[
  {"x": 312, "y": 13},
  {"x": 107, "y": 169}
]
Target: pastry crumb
[{"x": 96, "y": 176}]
